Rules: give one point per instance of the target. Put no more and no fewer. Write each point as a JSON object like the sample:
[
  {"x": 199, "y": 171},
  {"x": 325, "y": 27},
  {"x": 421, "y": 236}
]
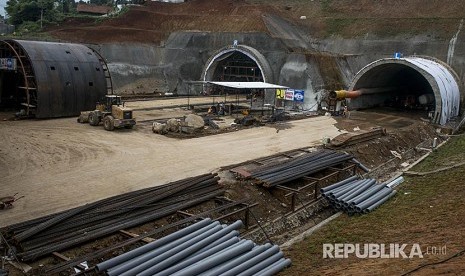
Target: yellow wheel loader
[{"x": 112, "y": 113}]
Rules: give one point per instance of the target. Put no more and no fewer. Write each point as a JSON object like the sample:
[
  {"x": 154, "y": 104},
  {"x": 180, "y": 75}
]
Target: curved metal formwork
[
  {"x": 438, "y": 79},
  {"x": 57, "y": 79}
]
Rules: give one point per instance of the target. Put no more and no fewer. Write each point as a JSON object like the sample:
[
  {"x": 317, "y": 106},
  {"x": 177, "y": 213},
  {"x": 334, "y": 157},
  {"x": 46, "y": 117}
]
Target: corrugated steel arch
[
  {"x": 69, "y": 78},
  {"x": 442, "y": 79}
]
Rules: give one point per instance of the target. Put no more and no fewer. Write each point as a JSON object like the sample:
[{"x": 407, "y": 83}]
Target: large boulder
[{"x": 194, "y": 121}]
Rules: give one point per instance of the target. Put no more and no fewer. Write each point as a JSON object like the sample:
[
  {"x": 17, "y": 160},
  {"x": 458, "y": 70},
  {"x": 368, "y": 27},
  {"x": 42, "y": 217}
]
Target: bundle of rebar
[
  {"x": 63, "y": 230},
  {"x": 204, "y": 248},
  {"x": 276, "y": 174},
  {"x": 357, "y": 196}
]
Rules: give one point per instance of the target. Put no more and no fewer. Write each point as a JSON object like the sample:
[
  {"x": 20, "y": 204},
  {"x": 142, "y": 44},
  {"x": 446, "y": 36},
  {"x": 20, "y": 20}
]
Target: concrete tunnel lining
[
  {"x": 431, "y": 75},
  {"x": 252, "y": 53}
]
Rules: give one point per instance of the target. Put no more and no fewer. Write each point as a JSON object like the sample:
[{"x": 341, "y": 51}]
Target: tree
[{"x": 21, "y": 11}]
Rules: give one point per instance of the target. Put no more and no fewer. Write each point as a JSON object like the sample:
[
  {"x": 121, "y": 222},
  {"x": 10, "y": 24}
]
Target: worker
[
  {"x": 221, "y": 108},
  {"x": 346, "y": 112}
]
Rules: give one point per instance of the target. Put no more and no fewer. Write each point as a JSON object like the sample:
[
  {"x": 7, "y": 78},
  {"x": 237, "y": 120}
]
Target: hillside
[
  {"x": 426, "y": 210},
  {"x": 154, "y": 22}
]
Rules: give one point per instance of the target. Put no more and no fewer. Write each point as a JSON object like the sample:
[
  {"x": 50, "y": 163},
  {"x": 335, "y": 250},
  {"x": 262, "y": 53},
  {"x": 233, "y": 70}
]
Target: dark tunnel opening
[
  {"x": 10, "y": 96},
  {"x": 17, "y": 87},
  {"x": 235, "y": 67},
  {"x": 395, "y": 86}
]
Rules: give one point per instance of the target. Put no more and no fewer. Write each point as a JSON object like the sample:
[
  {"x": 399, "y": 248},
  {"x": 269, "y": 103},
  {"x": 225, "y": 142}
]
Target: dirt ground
[
  {"x": 58, "y": 164},
  {"x": 154, "y": 22}
]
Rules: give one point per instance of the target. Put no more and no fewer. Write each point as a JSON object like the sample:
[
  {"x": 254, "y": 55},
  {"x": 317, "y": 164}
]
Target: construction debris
[
  {"x": 354, "y": 195},
  {"x": 351, "y": 138},
  {"x": 159, "y": 128},
  {"x": 206, "y": 247},
  {"x": 173, "y": 125},
  {"x": 60, "y": 231},
  {"x": 276, "y": 174}
]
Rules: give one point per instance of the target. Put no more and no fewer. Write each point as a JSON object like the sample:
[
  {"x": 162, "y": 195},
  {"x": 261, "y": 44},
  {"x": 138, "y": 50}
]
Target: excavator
[{"x": 111, "y": 112}]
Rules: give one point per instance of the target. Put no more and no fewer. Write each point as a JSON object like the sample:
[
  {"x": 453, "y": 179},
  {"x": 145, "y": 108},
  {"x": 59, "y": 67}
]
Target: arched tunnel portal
[
  {"x": 238, "y": 63},
  {"x": 409, "y": 83}
]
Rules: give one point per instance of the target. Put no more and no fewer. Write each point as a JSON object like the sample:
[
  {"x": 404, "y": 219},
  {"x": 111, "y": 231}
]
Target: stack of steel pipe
[
  {"x": 298, "y": 167},
  {"x": 204, "y": 248},
  {"x": 51, "y": 233},
  {"x": 354, "y": 195}
]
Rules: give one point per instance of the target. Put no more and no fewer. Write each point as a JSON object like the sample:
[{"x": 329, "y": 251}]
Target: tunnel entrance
[
  {"x": 237, "y": 63},
  {"x": 408, "y": 84},
  {"x": 237, "y": 67},
  {"x": 15, "y": 93},
  {"x": 10, "y": 98}
]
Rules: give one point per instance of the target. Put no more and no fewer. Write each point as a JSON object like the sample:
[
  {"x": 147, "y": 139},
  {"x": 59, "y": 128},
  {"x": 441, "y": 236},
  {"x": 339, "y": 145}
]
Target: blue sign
[
  {"x": 299, "y": 95},
  {"x": 7, "y": 64}
]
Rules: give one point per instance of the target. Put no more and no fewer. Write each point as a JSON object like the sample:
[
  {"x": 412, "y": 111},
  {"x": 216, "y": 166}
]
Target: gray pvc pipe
[
  {"x": 189, "y": 261},
  {"x": 215, "y": 260},
  {"x": 143, "y": 249},
  {"x": 358, "y": 191},
  {"x": 263, "y": 264},
  {"x": 344, "y": 187},
  {"x": 355, "y": 185},
  {"x": 373, "y": 199},
  {"x": 375, "y": 205},
  {"x": 161, "y": 262},
  {"x": 347, "y": 187},
  {"x": 338, "y": 184},
  {"x": 219, "y": 241},
  {"x": 368, "y": 193},
  {"x": 394, "y": 183},
  {"x": 155, "y": 256},
  {"x": 274, "y": 268},
  {"x": 360, "y": 165},
  {"x": 362, "y": 183},
  {"x": 251, "y": 262},
  {"x": 237, "y": 261},
  {"x": 137, "y": 260}
]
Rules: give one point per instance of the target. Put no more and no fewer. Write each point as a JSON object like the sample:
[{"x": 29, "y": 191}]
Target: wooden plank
[
  {"x": 311, "y": 178},
  {"x": 185, "y": 213},
  {"x": 132, "y": 235},
  {"x": 286, "y": 188},
  {"x": 66, "y": 259},
  {"x": 241, "y": 171}
]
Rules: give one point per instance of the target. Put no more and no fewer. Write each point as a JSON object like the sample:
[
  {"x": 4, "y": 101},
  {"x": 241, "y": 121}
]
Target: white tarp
[{"x": 248, "y": 85}]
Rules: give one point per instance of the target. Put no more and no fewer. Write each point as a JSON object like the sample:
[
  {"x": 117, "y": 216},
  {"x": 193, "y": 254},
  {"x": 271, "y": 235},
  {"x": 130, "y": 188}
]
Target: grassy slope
[
  {"x": 426, "y": 210},
  {"x": 358, "y": 18}
]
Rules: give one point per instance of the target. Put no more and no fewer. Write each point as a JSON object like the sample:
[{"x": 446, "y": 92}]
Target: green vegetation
[
  {"x": 21, "y": 11},
  {"x": 30, "y": 16},
  {"x": 338, "y": 25},
  {"x": 426, "y": 210},
  {"x": 452, "y": 153}
]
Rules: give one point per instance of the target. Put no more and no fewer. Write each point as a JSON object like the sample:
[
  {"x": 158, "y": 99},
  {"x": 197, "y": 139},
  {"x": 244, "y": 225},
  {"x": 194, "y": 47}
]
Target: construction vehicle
[{"x": 112, "y": 113}]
